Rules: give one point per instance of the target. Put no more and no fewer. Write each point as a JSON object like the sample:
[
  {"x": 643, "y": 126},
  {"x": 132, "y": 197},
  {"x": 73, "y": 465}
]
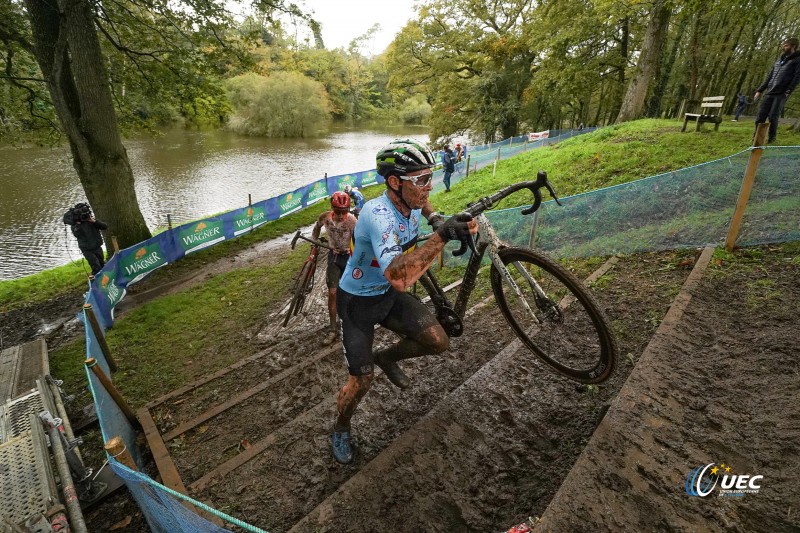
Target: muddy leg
[
  {"x": 432, "y": 340},
  {"x": 332, "y": 308},
  {"x": 349, "y": 397}
]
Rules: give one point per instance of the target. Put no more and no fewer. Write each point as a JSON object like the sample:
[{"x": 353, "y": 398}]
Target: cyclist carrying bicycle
[
  {"x": 356, "y": 197},
  {"x": 338, "y": 224},
  {"x": 384, "y": 263}
]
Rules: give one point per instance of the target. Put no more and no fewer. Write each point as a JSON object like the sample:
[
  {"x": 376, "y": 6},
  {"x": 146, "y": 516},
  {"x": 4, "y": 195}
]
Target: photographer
[{"x": 87, "y": 232}]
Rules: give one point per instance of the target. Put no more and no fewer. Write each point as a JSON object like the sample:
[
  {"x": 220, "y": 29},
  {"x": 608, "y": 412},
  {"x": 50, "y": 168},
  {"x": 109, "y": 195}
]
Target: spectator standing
[
  {"x": 781, "y": 80},
  {"x": 740, "y": 106},
  {"x": 86, "y": 230},
  {"x": 449, "y": 166}
]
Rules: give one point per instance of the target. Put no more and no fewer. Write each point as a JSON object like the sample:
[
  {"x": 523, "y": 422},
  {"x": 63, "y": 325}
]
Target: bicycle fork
[{"x": 488, "y": 233}]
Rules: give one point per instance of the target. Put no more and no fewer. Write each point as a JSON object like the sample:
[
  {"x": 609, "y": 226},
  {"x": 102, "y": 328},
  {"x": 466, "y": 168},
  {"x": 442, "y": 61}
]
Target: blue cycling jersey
[
  {"x": 382, "y": 233},
  {"x": 358, "y": 199}
]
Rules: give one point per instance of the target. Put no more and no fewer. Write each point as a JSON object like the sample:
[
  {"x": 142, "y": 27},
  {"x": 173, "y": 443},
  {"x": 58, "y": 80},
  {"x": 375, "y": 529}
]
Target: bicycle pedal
[{"x": 450, "y": 322}]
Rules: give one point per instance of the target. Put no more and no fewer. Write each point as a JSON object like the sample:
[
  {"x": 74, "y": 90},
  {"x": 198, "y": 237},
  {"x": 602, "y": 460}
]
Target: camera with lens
[
  {"x": 83, "y": 212},
  {"x": 80, "y": 213}
]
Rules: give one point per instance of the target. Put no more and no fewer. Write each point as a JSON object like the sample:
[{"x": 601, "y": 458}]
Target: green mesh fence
[
  {"x": 773, "y": 212},
  {"x": 687, "y": 208}
]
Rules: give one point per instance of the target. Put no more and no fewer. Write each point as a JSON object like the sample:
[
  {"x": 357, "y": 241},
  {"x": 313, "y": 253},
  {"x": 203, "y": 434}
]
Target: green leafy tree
[
  {"x": 284, "y": 104},
  {"x": 473, "y": 62},
  {"x": 91, "y": 54}
]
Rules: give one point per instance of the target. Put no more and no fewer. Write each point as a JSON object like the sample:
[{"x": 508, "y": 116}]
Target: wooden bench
[{"x": 710, "y": 111}]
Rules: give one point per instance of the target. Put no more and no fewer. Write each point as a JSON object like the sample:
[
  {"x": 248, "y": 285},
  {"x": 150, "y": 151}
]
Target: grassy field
[{"x": 173, "y": 339}]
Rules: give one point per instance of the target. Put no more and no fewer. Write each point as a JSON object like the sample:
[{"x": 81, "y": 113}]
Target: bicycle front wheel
[
  {"x": 298, "y": 293},
  {"x": 554, "y": 315},
  {"x": 305, "y": 286}
]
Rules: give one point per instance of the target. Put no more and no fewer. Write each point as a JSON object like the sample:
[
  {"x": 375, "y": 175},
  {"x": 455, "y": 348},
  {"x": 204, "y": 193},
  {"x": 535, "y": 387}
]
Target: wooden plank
[
  {"x": 693, "y": 115},
  {"x": 712, "y": 104},
  {"x": 713, "y": 98},
  {"x": 216, "y": 410},
  {"x": 8, "y": 371},
  {"x": 166, "y": 468},
  {"x": 205, "y": 379},
  {"x": 31, "y": 365},
  {"x": 235, "y": 462}
]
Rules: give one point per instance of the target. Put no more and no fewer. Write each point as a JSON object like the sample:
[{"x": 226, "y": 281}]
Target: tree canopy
[{"x": 500, "y": 67}]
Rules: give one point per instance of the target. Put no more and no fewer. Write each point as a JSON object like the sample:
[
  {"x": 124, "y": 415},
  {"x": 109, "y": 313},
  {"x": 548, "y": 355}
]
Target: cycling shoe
[{"x": 342, "y": 448}]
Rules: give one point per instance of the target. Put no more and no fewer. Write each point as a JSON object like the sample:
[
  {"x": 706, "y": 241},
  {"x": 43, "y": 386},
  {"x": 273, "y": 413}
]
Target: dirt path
[
  {"x": 485, "y": 436},
  {"x": 720, "y": 385},
  {"x": 502, "y": 406}
]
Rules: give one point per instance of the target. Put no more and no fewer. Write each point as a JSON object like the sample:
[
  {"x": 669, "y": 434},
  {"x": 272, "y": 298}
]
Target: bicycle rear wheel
[
  {"x": 298, "y": 293},
  {"x": 305, "y": 289},
  {"x": 556, "y": 317}
]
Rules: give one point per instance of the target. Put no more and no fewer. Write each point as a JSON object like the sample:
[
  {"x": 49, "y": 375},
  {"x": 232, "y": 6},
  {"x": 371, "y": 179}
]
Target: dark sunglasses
[{"x": 423, "y": 180}]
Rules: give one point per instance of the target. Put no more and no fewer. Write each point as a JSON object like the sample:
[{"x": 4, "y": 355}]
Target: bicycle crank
[{"x": 450, "y": 321}]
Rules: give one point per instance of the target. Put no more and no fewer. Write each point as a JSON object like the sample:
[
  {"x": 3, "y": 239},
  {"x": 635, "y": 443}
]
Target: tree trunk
[
  {"x": 623, "y": 52},
  {"x": 649, "y": 61},
  {"x": 69, "y": 54},
  {"x": 656, "y": 102}
]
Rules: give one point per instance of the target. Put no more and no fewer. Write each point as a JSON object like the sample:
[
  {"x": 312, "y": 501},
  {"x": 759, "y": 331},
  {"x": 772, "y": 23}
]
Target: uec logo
[{"x": 702, "y": 480}]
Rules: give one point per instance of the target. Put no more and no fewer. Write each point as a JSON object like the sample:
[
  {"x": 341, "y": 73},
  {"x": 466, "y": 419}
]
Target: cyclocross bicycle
[
  {"x": 549, "y": 309},
  {"x": 304, "y": 283}
]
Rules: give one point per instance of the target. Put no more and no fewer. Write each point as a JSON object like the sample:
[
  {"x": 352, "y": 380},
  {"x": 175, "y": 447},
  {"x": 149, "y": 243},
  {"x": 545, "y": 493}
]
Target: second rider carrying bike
[
  {"x": 384, "y": 263},
  {"x": 338, "y": 224}
]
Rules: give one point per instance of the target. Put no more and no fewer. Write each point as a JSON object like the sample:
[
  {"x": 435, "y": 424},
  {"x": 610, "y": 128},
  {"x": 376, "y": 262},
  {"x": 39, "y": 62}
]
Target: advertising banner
[
  {"x": 316, "y": 192},
  {"x": 141, "y": 260},
  {"x": 290, "y": 202},
  {"x": 538, "y": 136},
  {"x": 369, "y": 177},
  {"x": 199, "y": 235},
  {"x": 248, "y": 218}
]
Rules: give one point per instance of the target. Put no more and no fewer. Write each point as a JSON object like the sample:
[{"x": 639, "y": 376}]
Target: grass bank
[
  {"x": 171, "y": 340},
  {"x": 608, "y": 156}
]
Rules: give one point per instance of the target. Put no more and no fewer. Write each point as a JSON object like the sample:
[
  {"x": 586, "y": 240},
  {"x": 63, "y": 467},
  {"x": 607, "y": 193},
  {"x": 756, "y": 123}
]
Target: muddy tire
[
  {"x": 299, "y": 290},
  {"x": 561, "y": 323}
]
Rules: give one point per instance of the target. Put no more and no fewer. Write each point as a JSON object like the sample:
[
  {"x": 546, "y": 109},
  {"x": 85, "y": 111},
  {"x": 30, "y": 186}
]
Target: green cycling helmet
[{"x": 403, "y": 156}]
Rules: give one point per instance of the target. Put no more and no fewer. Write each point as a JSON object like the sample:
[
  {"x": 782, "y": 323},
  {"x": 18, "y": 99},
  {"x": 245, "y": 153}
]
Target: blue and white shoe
[{"x": 342, "y": 449}]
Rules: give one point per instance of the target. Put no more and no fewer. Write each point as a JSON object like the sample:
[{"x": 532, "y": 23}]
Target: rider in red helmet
[{"x": 339, "y": 225}]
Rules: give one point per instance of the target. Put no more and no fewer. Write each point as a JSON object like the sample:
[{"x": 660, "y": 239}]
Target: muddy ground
[{"x": 481, "y": 441}]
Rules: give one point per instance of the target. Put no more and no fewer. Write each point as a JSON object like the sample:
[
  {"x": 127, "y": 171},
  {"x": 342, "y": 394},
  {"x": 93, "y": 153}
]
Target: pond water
[{"x": 186, "y": 174}]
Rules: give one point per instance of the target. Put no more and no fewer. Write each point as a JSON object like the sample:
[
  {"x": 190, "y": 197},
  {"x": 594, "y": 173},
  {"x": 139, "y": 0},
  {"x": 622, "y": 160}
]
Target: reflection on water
[{"x": 187, "y": 174}]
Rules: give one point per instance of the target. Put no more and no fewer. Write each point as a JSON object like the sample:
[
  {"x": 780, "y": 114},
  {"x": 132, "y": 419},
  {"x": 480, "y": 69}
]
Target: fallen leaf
[
  {"x": 125, "y": 522},
  {"x": 246, "y": 444},
  {"x": 202, "y": 429}
]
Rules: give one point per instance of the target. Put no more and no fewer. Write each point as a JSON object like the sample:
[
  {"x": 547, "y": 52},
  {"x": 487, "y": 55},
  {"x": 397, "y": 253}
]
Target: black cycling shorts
[
  {"x": 336, "y": 264},
  {"x": 397, "y": 311}
]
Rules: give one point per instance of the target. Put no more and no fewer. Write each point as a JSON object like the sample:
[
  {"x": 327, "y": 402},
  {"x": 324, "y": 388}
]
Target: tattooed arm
[{"x": 404, "y": 270}]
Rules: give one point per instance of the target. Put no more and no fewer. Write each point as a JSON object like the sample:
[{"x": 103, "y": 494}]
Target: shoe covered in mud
[
  {"x": 394, "y": 373},
  {"x": 331, "y": 337},
  {"x": 342, "y": 449}
]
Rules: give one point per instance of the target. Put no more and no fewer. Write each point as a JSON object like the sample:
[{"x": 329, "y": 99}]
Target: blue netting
[
  {"x": 112, "y": 420},
  {"x": 166, "y": 511}
]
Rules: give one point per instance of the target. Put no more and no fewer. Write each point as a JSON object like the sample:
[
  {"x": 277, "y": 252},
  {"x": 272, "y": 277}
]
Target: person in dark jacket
[
  {"x": 449, "y": 166},
  {"x": 780, "y": 83},
  {"x": 86, "y": 230},
  {"x": 741, "y": 105}
]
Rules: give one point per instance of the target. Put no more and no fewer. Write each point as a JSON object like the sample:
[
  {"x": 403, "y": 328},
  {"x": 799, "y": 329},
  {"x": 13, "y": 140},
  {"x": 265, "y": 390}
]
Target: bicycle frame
[{"x": 487, "y": 241}]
